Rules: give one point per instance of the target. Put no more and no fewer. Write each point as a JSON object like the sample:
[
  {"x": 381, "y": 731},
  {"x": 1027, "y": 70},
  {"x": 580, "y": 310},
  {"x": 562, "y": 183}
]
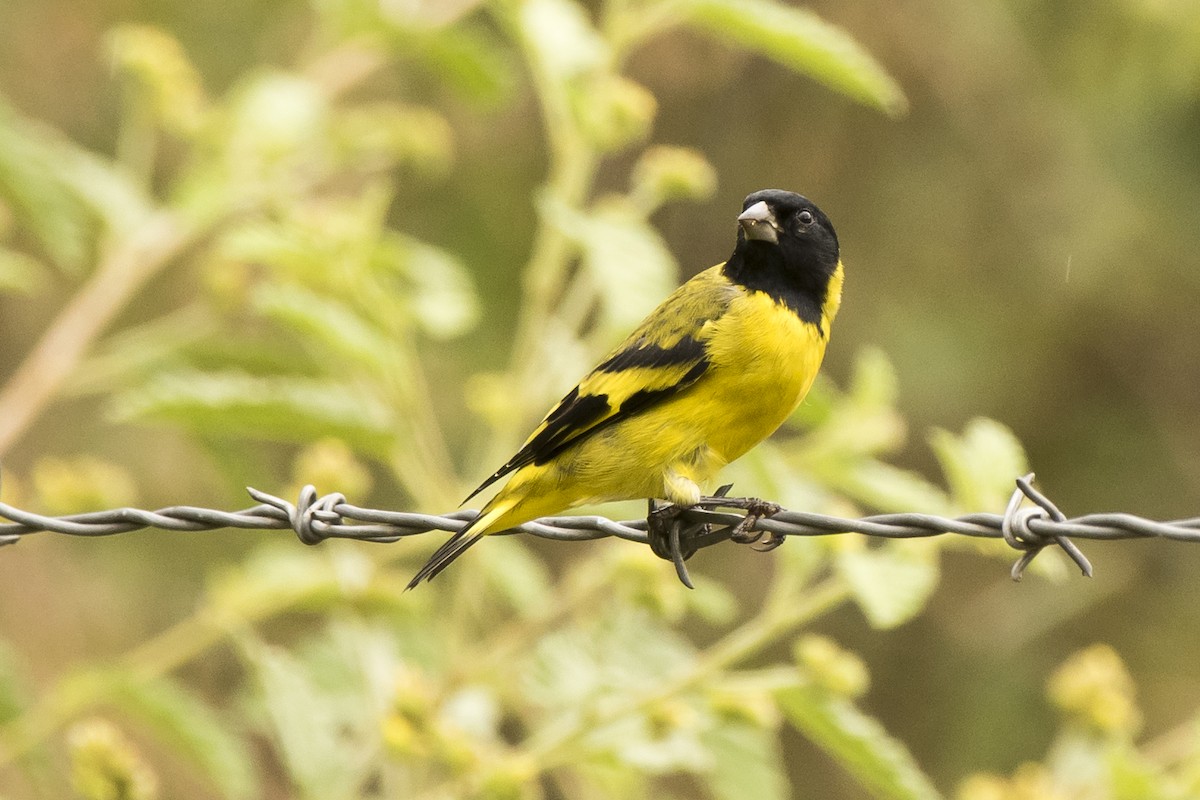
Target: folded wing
[{"x": 664, "y": 356}]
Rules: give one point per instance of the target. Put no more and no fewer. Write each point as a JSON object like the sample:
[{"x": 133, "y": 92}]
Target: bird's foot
[
  {"x": 671, "y": 538},
  {"x": 756, "y": 509},
  {"x": 744, "y": 533},
  {"x": 662, "y": 517}
]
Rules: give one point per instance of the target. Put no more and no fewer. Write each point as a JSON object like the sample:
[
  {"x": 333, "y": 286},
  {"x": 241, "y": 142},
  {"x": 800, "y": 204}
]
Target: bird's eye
[{"x": 805, "y": 217}]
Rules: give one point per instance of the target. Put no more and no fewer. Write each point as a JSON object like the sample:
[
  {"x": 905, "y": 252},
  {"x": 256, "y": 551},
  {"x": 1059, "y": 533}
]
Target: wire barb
[
  {"x": 315, "y": 518},
  {"x": 1019, "y": 535}
]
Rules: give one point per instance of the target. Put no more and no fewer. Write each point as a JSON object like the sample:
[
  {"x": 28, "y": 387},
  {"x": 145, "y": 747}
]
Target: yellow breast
[{"x": 764, "y": 361}]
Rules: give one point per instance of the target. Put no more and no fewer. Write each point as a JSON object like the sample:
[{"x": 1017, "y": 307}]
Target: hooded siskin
[{"x": 713, "y": 371}]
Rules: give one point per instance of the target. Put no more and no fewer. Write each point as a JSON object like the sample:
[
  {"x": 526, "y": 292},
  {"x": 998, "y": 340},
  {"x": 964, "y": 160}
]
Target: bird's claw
[
  {"x": 769, "y": 542},
  {"x": 669, "y": 538},
  {"x": 744, "y": 533},
  {"x": 659, "y": 521}
]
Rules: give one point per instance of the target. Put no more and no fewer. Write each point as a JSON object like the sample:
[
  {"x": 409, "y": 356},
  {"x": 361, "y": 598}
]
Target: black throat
[{"x": 801, "y": 283}]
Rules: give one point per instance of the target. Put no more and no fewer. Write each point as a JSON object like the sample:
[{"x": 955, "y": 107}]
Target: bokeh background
[{"x": 1019, "y": 228}]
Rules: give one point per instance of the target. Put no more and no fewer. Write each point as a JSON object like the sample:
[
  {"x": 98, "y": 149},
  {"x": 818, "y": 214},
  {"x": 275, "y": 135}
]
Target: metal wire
[{"x": 315, "y": 518}]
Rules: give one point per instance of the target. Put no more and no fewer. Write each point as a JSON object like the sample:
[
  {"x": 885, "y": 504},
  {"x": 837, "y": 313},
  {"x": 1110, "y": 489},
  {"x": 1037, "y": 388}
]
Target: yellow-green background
[{"x": 1021, "y": 244}]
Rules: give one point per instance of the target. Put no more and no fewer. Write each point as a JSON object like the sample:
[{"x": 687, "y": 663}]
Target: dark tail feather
[
  {"x": 454, "y": 547},
  {"x": 457, "y": 544}
]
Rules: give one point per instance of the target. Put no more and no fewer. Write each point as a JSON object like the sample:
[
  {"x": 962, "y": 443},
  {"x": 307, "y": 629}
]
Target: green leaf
[
  {"x": 272, "y": 133},
  {"x": 133, "y": 353},
  {"x": 443, "y": 298},
  {"x": 873, "y": 384},
  {"x": 59, "y": 191},
  {"x": 279, "y": 576},
  {"x": 106, "y": 765},
  {"x": 320, "y": 318},
  {"x": 177, "y": 720},
  {"x": 469, "y": 59},
  {"x": 858, "y": 423},
  {"x": 668, "y": 174},
  {"x": 376, "y": 135},
  {"x": 612, "y": 653},
  {"x": 892, "y": 489},
  {"x": 880, "y": 763},
  {"x": 716, "y": 605},
  {"x": 1132, "y": 776},
  {"x": 981, "y": 465},
  {"x": 288, "y": 244},
  {"x": 42, "y": 202},
  {"x": 322, "y": 702},
  {"x": 107, "y": 190},
  {"x": 818, "y": 405},
  {"x": 746, "y": 762},
  {"x": 766, "y": 472},
  {"x": 620, "y": 650},
  {"x": 625, "y": 258},
  {"x": 160, "y": 79},
  {"x": 275, "y": 115},
  {"x": 565, "y": 41},
  {"x": 314, "y": 727},
  {"x": 604, "y": 778},
  {"x": 518, "y": 575},
  {"x": 890, "y": 583},
  {"x": 802, "y": 41},
  {"x": 280, "y": 408}
]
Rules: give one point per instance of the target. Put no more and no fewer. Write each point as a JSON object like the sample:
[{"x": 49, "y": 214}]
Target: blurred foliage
[
  {"x": 298, "y": 259},
  {"x": 1093, "y": 755},
  {"x": 105, "y": 767}
]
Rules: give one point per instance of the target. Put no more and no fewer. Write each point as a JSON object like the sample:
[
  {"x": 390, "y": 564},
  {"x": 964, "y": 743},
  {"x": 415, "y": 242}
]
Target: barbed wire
[{"x": 315, "y": 518}]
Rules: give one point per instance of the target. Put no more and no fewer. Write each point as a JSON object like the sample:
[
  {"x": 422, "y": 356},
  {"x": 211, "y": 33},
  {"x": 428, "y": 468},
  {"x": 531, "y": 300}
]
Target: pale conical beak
[{"x": 759, "y": 223}]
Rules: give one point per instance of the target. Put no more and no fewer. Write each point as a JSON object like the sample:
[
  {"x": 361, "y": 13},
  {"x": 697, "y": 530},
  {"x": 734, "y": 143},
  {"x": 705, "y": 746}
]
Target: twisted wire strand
[{"x": 315, "y": 518}]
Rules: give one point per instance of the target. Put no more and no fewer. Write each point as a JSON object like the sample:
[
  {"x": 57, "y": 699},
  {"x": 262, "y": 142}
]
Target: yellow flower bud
[
  {"x": 832, "y": 667},
  {"x": 1094, "y": 689},
  {"x": 106, "y": 766},
  {"x": 982, "y": 787},
  {"x": 330, "y": 464},
  {"x": 665, "y": 174},
  {"x": 515, "y": 779},
  {"x": 391, "y": 133},
  {"x": 157, "y": 64},
  {"x": 613, "y": 111},
  {"x": 81, "y": 483},
  {"x": 1029, "y": 782}
]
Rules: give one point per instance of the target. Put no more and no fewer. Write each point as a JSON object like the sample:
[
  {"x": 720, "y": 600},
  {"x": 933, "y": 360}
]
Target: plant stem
[
  {"x": 132, "y": 262},
  {"x": 573, "y": 165}
]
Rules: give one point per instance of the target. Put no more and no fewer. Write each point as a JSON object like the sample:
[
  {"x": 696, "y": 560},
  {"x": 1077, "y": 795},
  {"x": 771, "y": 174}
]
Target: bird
[{"x": 711, "y": 372}]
